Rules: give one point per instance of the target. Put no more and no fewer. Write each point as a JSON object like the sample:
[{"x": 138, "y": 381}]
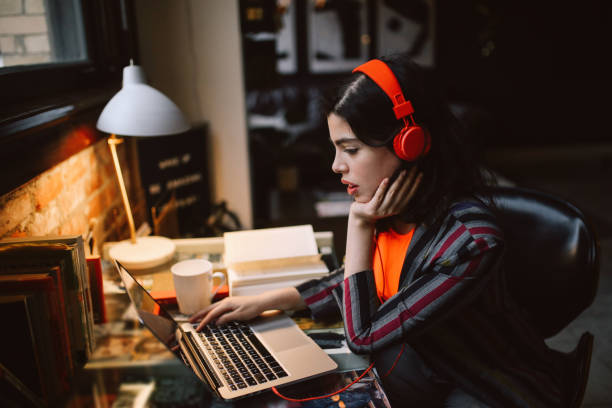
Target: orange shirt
[{"x": 391, "y": 249}]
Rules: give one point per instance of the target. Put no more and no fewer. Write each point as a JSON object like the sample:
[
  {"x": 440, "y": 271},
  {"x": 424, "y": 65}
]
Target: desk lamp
[{"x": 139, "y": 110}]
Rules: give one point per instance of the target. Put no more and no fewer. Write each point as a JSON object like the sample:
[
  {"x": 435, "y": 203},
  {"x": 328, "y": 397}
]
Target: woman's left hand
[{"x": 388, "y": 200}]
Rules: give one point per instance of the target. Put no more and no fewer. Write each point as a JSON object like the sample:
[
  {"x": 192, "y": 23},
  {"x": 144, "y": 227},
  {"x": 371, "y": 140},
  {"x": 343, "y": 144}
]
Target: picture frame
[
  {"x": 286, "y": 40},
  {"x": 338, "y": 35},
  {"x": 407, "y": 27}
]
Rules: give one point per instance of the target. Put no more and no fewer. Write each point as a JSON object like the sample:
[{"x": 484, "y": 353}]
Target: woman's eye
[{"x": 351, "y": 150}]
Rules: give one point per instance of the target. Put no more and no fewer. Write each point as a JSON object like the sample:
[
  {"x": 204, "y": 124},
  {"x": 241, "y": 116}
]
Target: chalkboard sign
[{"x": 178, "y": 165}]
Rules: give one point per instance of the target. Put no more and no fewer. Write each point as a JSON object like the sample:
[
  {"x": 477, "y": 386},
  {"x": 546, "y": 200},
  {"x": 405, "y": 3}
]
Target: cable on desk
[{"x": 275, "y": 391}]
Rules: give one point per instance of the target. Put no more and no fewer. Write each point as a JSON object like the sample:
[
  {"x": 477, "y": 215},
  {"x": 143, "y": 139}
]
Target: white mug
[{"x": 193, "y": 284}]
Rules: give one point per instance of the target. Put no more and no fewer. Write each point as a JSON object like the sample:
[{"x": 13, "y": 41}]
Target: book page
[{"x": 270, "y": 246}]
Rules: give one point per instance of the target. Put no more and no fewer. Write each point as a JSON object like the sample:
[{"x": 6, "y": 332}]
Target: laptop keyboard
[{"x": 239, "y": 355}]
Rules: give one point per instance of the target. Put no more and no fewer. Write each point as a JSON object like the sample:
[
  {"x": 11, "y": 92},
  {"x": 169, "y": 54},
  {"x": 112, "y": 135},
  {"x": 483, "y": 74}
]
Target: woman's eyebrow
[{"x": 344, "y": 140}]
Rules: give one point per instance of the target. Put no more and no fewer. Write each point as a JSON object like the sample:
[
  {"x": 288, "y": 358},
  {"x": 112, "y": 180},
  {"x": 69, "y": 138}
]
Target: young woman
[{"x": 421, "y": 289}]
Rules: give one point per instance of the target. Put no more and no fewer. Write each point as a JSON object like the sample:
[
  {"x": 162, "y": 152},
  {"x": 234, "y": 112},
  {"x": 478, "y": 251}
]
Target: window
[
  {"x": 40, "y": 32},
  {"x": 49, "y": 48},
  {"x": 45, "y": 101}
]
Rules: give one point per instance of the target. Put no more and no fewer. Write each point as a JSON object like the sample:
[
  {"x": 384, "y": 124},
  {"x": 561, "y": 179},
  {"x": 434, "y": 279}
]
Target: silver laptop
[{"x": 237, "y": 359}]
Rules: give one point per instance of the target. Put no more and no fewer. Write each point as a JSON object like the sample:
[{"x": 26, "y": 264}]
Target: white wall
[{"x": 191, "y": 51}]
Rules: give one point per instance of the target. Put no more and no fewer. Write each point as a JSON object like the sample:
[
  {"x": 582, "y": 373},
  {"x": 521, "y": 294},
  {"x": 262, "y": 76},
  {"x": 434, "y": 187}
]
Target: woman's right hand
[
  {"x": 244, "y": 308},
  {"x": 231, "y": 308}
]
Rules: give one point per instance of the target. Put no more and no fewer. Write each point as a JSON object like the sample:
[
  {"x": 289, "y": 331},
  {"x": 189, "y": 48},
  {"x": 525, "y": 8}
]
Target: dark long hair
[{"x": 450, "y": 169}]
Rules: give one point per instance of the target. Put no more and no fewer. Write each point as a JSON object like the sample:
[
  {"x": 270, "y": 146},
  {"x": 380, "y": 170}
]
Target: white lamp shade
[{"x": 140, "y": 110}]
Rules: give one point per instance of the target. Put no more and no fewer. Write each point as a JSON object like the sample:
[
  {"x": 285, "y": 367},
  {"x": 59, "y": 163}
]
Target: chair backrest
[{"x": 551, "y": 259}]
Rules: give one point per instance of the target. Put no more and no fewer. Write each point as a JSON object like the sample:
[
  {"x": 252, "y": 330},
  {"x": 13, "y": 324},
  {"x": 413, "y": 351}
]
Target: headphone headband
[
  {"x": 412, "y": 141},
  {"x": 382, "y": 75}
]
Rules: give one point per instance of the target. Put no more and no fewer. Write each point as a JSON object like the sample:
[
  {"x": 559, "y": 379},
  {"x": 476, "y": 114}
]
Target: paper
[
  {"x": 258, "y": 276},
  {"x": 270, "y": 247}
]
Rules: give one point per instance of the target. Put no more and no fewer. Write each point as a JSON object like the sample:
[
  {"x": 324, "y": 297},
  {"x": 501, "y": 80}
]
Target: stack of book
[
  {"x": 271, "y": 258},
  {"x": 47, "y": 309}
]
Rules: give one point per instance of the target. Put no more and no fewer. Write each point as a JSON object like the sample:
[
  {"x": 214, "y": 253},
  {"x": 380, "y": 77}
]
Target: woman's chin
[{"x": 361, "y": 199}]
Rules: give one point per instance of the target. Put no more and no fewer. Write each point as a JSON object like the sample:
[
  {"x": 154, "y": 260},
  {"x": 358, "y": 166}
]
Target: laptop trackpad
[{"x": 280, "y": 333}]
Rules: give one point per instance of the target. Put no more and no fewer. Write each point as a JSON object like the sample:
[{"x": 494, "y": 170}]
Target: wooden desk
[{"x": 128, "y": 360}]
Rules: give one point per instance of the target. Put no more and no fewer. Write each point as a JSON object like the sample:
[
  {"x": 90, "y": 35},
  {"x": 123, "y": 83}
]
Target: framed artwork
[
  {"x": 406, "y": 26},
  {"x": 338, "y": 35},
  {"x": 177, "y": 167},
  {"x": 286, "y": 41}
]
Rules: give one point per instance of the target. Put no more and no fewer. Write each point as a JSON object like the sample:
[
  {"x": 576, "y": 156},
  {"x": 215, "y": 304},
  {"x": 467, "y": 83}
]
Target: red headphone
[{"x": 412, "y": 141}]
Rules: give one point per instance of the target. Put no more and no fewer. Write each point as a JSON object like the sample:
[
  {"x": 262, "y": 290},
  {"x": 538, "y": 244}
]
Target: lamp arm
[{"x": 113, "y": 141}]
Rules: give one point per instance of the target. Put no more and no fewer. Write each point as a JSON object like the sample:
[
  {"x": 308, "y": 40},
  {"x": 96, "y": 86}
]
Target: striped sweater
[{"x": 453, "y": 309}]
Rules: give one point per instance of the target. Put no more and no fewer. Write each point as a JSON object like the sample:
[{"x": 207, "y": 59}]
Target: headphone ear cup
[{"x": 411, "y": 142}]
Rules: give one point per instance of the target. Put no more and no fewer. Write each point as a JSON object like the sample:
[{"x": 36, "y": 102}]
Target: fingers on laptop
[
  {"x": 199, "y": 315},
  {"x": 212, "y": 313},
  {"x": 233, "y": 308}
]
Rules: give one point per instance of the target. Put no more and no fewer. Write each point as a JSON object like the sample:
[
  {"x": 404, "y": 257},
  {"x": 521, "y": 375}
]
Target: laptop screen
[{"x": 151, "y": 313}]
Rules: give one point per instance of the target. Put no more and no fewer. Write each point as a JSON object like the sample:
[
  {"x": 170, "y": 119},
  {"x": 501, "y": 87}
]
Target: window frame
[
  {"x": 42, "y": 105},
  {"x": 109, "y": 28}
]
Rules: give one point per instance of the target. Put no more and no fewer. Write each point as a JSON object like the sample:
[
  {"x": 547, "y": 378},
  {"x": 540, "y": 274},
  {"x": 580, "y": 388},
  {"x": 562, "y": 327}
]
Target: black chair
[{"x": 552, "y": 254}]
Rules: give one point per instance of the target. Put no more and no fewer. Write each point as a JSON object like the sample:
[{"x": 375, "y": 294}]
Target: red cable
[
  {"x": 274, "y": 390},
  {"x": 395, "y": 362},
  {"x": 382, "y": 269}
]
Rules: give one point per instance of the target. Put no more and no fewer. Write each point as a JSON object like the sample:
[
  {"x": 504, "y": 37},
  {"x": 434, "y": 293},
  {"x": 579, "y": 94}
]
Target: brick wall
[
  {"x": 24, "y": 36},
  {"x": 78, "y": 194}
]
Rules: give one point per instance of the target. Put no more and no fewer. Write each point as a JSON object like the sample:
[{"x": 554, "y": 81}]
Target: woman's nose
[{"x": 338, "y": 166}]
